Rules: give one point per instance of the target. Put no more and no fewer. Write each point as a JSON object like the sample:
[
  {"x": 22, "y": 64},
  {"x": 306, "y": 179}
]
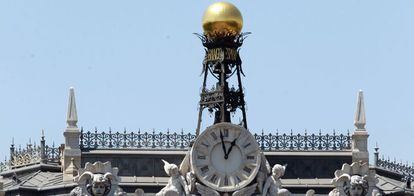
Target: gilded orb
[{"x": 222, "y": 18}]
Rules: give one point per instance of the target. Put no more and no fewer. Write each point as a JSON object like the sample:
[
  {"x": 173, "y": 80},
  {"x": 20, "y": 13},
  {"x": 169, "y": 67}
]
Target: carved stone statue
[
  {"x": 98, "y": 179},
  {"x": 310, "y": 192},
  {"x": 185, "y": 170},
  {"x": 2, "y": 193},
  {"x": 177, "y": 185},
  {"x": 354, "y": 180},
  {"x": 264, "y": 171},
  {"x": 139, "y": 192},
  {"x": 273, "y": 185},
  {"x": 206, "y": 191}
]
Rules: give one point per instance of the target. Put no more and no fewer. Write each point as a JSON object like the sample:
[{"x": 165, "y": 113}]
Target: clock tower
[
  {"x": 222, "y": 90},
  {"x": 225, "y": 159}
]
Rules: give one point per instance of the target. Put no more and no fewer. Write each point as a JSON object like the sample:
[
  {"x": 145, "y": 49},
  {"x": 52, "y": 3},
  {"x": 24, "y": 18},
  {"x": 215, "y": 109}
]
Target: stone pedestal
[
  {"x": 360, "y": 146},
  {"x": 71, "y": 154}
]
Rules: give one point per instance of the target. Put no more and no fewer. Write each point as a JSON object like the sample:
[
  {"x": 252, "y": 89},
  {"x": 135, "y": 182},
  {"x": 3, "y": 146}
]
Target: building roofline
[{"x": 39, "y": 166}]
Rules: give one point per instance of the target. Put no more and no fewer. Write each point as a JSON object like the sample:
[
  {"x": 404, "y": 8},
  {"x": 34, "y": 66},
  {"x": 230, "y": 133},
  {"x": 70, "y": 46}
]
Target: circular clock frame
[{"x": 229, "y": 174}]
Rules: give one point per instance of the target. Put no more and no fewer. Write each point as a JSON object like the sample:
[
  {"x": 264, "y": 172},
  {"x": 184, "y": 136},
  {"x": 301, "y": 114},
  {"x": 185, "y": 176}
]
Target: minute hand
[
  {"x": 223, "y": 145},
  {"x": 226, "y": 156}
]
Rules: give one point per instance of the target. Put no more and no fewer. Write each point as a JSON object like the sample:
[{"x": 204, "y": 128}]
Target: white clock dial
[{"x": 225, "y": 157}]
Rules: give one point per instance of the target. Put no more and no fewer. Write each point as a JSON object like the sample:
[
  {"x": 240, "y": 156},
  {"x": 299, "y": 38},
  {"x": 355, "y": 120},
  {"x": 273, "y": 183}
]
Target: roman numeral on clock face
[
  {"x": 201, "y": 157},
  {"x": 213, "y": 178},
  {"x": 204, "y": 169},
  {"x": 213, "y": 135},
  {"x": 225, "y": 133},
  {"x": 238, "y": 179},
  {"x": 250, "y": 157},
  {"x": 226, "y": 181},
  {"x": 247, "y": 145},
  {"x": 247, "y": 170},
  {"x": 204, "y": 144}
]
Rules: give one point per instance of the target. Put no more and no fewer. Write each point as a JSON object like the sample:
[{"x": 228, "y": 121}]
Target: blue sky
[{"x": 136, "y": 65}]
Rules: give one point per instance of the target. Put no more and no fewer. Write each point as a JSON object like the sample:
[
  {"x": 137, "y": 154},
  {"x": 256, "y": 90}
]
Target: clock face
[{"x": 225, "y": 157}]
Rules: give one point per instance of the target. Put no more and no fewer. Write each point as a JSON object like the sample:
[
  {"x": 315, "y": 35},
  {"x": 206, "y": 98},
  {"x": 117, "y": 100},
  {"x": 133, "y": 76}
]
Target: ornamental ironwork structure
[
  {"x": 182, "y": 141},
  {"x": 131, "y": 140},
  {"x": 222, "y": 61},
  {"x": 4, "y": 166},
  {"x": 303, "y": 142},
  {"x": 406, "y": 170},
  {"x": 31, "y": 154}
]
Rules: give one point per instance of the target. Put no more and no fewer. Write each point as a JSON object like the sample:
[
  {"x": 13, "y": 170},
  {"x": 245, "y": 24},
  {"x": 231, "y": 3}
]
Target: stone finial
[
  {"x": 360, "y": 119},
  {"x": 360, "y": 135},
  {"x": 72, "y": 134},
  {"x": 72, "y": 116}
]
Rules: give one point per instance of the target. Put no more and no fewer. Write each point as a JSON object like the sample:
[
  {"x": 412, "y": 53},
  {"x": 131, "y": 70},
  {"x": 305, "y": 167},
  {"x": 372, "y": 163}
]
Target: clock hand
[
  {"x": 226, "y": 156},
  {"x": 223, "y": 145}
]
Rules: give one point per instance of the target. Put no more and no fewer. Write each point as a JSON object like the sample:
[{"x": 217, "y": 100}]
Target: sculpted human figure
[
  {"x": 357, "y": 187},
  {"x": 97, "y": 184},
  {"x": 354, "y": 180},
  {"x": 97, "y": 179},
  {"x": 273, "y": 185},
  {"x": 177, "y": 185},
  {"x": 101, "y": 184},
  {"x": 352, "y": 186},
  {"x": 264, "y": 170}
]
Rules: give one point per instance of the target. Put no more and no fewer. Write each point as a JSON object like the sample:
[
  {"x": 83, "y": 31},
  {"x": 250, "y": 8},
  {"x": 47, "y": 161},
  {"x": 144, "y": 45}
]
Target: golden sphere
[{"x": 222, "y": 18}]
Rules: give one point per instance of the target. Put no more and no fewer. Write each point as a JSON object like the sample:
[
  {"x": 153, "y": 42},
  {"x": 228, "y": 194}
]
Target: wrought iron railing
[
  {"x": 140, "y": 140},
  {"x": 267, "y": 142},
  {"x": 53, "y": 153},
  {"x": 4, "y": 166},
  {"x": 404, "y": 169},
  {"x": 31, "y": 154},
  {"x": 303, "y": 142}
]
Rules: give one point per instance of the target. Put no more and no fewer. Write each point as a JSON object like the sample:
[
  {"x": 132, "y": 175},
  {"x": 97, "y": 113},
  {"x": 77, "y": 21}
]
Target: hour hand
[
  {"x": 231, "y": 147},
  {"x": 223, "y": 145}
]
